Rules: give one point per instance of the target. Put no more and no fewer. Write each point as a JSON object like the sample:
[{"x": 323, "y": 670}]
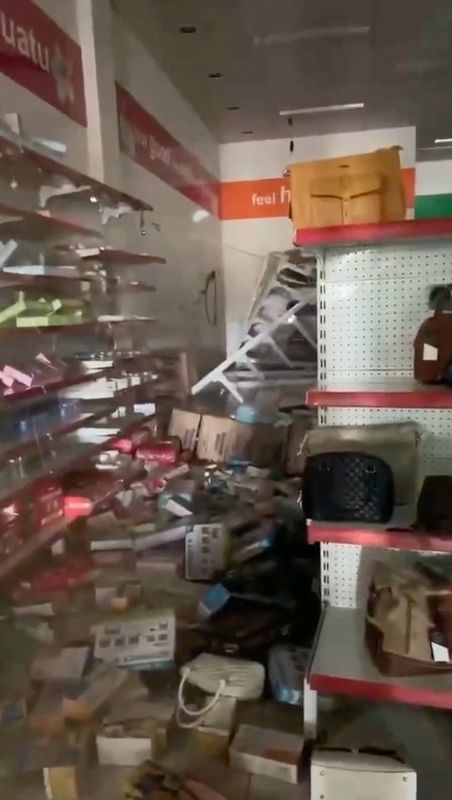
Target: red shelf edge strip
[
  {"x": 356, "y": 234},
  {"x": 410, "y": 695},
  {"x": 370, "y": 538},
  {"x": 379, "y": 399}
]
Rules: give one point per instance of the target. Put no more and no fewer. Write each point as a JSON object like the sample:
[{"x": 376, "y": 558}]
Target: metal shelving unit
[
  {"x": 342, "y": 665},
  {"x": 373, "y": 289},
  {"x": 66, "y": 444}
]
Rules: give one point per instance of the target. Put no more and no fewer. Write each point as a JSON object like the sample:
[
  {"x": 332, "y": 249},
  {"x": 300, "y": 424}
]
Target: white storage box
[
  {"x": 339, "y": 775},
  {"x": 119, "y": 747}
]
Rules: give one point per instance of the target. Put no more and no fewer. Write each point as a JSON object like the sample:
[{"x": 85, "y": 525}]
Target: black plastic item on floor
[{"x": 348, "y": 487}]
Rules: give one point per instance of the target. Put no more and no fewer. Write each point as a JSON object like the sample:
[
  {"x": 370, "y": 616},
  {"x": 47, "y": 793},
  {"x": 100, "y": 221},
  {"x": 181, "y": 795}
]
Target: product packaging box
[
  {"x": 149, "y": 711},
  {"x": 212, "y": 735},
  {"x": 47, "y": 715},
  {"x": 286, "y": 670},
  {"x": 355, "y": 189},
  {"x": 185, "y": 425},
  {"x": 222, "y": 439},
  {"x": 140, "y": 639},
  {"x": 67, "y": 664},
  {"x": 264, "y": 751},
  {"x": 124, "y": 744},
  {"x": 100, "y": 687},
  {"x": 61, "y": 783},
  {"x": 206, "y": 551}
]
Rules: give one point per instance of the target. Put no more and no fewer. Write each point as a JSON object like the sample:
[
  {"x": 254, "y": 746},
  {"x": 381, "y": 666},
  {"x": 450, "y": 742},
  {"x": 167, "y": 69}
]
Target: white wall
[
  {"x": 434, "y": 177},
  {"x": 247, "y": 241},
  {"x": 192, "y": 249}
]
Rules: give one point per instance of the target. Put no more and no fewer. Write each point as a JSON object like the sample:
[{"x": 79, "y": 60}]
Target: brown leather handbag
[
  {"x": 346, "y": 200},
  {"x": 433, "y": 345},
  {"x": 406, "y": 613},
  {"x": 366, "y": 187}
]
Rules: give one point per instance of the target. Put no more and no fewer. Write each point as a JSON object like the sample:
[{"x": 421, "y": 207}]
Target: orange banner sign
[{"x": 270, "y": 197}]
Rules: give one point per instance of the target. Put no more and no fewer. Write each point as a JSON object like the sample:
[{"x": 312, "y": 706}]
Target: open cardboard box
[{"x": 221, "y": 438}]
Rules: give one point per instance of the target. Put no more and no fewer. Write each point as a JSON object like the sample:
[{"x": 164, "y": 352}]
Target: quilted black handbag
[{"x": 348, "y": 487}]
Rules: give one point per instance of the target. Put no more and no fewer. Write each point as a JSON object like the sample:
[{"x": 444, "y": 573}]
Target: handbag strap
[{"x": 199, "y": 712}]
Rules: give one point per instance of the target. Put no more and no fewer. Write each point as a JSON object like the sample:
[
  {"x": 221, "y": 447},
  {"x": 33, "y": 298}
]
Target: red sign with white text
[
  {"x": 147, "y": 143},
  {"x": 36, "y": 53}
]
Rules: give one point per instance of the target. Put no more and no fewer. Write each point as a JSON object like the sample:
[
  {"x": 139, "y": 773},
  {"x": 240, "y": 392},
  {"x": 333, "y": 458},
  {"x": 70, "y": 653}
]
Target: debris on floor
[{"x": 168, "y": 638}]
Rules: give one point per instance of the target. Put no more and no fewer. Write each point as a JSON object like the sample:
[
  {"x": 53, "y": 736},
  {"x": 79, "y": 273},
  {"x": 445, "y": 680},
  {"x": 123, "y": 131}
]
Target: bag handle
[{"x": 199, "y": 712}]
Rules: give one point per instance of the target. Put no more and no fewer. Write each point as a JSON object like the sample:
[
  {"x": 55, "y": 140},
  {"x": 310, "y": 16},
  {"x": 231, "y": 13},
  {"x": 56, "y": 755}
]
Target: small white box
[
  {"x": 264, "y": 751},
  {"x": 341, "y": 775},
  {"x": 119, "y": 748}
]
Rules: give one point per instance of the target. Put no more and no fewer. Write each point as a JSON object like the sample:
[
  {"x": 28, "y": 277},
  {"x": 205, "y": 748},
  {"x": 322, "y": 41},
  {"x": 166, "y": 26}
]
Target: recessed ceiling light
[
  {"x": 233, "y": 108},
  {"x": 215, "y": 74},
  {"x": 293, "y": 112},
  {"x": 247, "y": 133},
  {"x": 335, "y": 32},
  {"x": 188, "y": 29},
  {"x": 444, "y": 141}
]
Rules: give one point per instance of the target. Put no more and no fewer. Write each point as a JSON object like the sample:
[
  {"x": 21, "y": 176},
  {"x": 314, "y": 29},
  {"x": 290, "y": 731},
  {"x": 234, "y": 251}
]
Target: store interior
[{"x": 225, "y": 400}]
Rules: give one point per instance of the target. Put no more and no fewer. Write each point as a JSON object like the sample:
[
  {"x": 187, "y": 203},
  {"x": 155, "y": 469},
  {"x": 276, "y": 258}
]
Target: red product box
[
  {"x": 48, "y": 502},
  {"x": 74, "y": 574},
  {"x": 129, "y": 444},
  {"x": 164, "y": 454},
  {"x": 86, "y": 493}
]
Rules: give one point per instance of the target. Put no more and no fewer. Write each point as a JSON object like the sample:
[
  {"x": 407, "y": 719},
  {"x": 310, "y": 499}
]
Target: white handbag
[{"x": 221, "y": 677}]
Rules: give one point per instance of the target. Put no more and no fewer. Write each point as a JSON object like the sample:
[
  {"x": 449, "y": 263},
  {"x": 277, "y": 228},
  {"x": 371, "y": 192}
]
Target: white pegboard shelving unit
[{"x": 373, "y": 290}]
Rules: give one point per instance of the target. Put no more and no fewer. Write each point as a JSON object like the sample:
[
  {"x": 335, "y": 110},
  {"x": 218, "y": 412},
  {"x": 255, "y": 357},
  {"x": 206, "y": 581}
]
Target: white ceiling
[{"x": 401, "y": 68}]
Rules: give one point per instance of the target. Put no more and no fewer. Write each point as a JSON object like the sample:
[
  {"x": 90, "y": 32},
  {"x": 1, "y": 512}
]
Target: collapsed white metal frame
[{"x": 287, "y": 280}]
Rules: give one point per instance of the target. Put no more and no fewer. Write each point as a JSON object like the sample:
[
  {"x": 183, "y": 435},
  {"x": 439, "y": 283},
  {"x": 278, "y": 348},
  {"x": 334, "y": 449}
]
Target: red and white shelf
[
  {"x": 397, "y": 393},
  {"x": 342, "y": 665},
  {"x": 51, "y": 533},
  {"x": 374, "y": 233},
  {"x": 378, "y": 536}
]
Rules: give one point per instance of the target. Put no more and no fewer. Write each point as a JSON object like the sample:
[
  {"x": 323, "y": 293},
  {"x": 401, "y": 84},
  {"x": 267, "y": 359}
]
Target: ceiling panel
[{"x": 393, "y": 55}]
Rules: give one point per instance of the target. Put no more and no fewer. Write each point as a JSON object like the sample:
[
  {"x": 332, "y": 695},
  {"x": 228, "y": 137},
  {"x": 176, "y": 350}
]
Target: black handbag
[{"x": 347, "y": 487}]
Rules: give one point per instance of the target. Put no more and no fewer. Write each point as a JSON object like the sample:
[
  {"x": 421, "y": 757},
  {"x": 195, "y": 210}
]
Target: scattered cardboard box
[
  {"x": 214, "y": 730},
  {"x": 184, "y": 425},
  {"x": 124, "y": 744},
  {"x": 222, "y": 439},
  {"x": 264, "y": 751},
  {"x": 47, "y": 716},
  {"x": 67, "y": 664},
  {"x": 61, "y": 783},
  {"x": 103, "y": 682}
]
